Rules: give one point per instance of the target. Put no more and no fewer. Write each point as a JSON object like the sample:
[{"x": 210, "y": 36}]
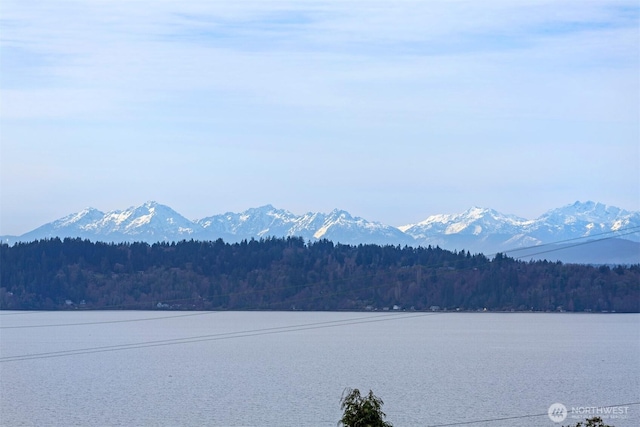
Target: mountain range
[{"x": 582, "y": 232}]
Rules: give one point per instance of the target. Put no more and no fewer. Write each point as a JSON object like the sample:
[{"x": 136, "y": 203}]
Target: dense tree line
[{"x": 286, "y": 273}]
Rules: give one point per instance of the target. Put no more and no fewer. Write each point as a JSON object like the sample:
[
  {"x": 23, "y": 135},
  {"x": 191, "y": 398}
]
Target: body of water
[{"x": 134, "y": 368}]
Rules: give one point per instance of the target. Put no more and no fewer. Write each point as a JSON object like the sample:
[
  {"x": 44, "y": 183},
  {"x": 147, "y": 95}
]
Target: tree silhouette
[
  {"x": 362, "y": 411},
  {"x": 592, "y": 422}
]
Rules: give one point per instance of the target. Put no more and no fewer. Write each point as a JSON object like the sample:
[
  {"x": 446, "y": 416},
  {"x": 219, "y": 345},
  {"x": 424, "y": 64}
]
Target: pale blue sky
[{"x": 392, "y": 110}]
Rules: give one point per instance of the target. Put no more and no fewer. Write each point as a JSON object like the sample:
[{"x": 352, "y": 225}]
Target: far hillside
[{"x": 291, "y": 274}]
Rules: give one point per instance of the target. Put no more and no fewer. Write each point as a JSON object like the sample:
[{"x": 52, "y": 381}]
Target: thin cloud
[{"x": 372, "y": 95}]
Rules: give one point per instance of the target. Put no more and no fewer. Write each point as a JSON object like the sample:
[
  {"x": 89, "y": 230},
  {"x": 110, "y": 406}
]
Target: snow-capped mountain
[
  {"x": 340, "y": 226},
  {"x": 253, "y": 223},
  {"x": 488, "y": 231},
  {"x": 476, "y": 230},
  {"x": 153, "y": 222},
  {"x": 583, "y": 219},
  {"x": 266, "y": 221},
  {"x": 150, "y": 222}
]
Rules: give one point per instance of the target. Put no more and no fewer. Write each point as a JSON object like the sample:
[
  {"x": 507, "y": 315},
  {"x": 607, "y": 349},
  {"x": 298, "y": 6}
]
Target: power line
[
  {"x": 558, "y": 242},
  {"x": 257, "y": 332},
  {"x": 270, "y": 331},
  {"x": 571, "y": 246},
  {"x": 262, "y": 332},
  {"x": 200, "y": 313},
  {"x": 518, "y": 417},
  {"x": 217, "y": 337}
]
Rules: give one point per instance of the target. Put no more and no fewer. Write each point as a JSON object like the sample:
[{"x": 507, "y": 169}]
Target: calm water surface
[{"x": 290, "y": 368}]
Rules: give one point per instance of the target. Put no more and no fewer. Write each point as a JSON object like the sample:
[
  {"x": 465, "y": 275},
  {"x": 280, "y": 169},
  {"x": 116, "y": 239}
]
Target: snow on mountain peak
[
  {"x": 476, "y": 229},
  {"x": 150, "y": 204},
  {"x": 80, "y": 219},
  {"x": 475, "y": 221},
  {"x": 339, "y": 213},
  {"x": 151, "y": 218},
  {"x": 584, "y": 212},
  {"x": 475, "y": 212}
]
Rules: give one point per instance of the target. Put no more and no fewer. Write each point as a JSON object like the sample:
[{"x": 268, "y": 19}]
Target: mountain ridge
[{"x": 478, "y": 230}]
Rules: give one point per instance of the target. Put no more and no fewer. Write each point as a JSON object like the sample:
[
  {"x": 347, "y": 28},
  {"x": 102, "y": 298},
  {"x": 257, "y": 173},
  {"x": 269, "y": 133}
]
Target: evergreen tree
[{"x": 362, "y": 411}]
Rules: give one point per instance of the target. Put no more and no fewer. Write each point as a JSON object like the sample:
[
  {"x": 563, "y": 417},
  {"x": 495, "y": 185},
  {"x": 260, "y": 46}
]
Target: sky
[{"x": 391, "y": 110}]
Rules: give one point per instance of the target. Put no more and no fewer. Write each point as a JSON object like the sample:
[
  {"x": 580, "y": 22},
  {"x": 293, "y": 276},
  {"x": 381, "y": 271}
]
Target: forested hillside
[{"x": 285, "y": 274}]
